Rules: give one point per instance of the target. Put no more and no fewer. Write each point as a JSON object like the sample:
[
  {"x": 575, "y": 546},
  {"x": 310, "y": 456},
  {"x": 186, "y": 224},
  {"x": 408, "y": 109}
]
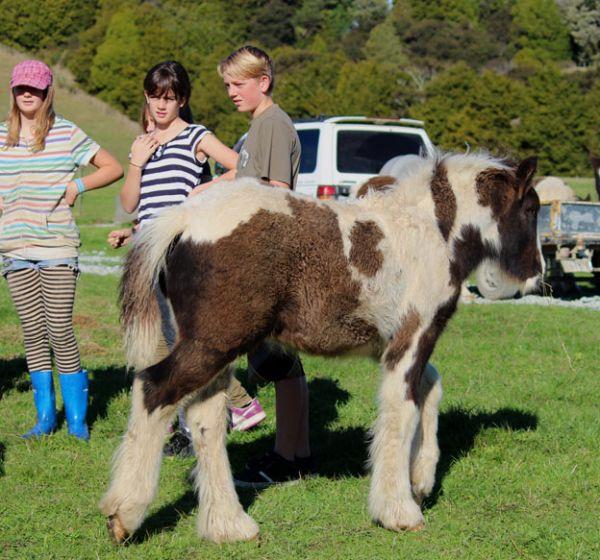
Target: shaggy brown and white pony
[{"x": 380, "y": 274}]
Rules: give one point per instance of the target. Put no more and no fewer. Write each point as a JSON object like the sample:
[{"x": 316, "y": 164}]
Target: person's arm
[
  {"x": 279, "y": 184},
  {"x": 211, "y": 146},
  {"x": 108, "y": 171},
  {"x": 141, "y": 150}
]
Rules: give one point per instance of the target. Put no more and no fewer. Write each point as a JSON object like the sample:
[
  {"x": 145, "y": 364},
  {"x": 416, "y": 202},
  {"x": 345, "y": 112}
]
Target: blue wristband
[{"x": 80, "y": 185}]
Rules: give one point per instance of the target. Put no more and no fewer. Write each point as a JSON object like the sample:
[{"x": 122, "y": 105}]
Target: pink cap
[{"x": 32, "y": 73}]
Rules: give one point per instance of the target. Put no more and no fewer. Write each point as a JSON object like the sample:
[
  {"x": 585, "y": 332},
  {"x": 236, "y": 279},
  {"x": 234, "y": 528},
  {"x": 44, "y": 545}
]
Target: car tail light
[{"x": 326, "y": 192}]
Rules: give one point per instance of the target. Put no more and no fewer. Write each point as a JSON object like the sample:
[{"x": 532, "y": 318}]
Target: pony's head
[{"x": 513, "y": 260}]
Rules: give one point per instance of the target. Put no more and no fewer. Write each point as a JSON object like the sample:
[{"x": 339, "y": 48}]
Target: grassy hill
[{"x": 107, "y": 126}]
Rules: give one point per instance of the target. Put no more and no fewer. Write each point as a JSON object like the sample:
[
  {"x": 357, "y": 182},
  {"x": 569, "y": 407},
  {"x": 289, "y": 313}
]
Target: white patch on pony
[
  {"x": 462, "y": 171},
  {"x": 216, "y": 212},
  {"x": 494, "y": 283},
  {"x": 221, "y": 517},
  {"x": 136, "y": 464}
]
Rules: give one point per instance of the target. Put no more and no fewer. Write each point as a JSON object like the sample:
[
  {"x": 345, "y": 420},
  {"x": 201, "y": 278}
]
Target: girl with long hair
[
  {"x": 164, "y": 168},
  {"x": 39, "y": 154}
]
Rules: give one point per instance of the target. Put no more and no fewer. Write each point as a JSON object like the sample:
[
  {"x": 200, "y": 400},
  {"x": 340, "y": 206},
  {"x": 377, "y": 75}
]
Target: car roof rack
[{"x": 363, "y": 119}]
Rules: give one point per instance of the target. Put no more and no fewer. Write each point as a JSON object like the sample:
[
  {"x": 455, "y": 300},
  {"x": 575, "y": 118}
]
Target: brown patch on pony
[
  {"x": 364, "y": 254},
  {"x": 322, "y": 314},
  {"x": 402, "y": 339},
  {"x": 444, "y": 200},
  {"x": 425, "y": 348},
  {"x": 378, "y": 183},
  {"x": 490, "y": 193},
  {"x": 469, "y": 250},
  {"x": 276, "y": 276}
]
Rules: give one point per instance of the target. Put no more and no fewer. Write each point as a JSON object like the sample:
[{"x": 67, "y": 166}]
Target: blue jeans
[{"x": 11, "y": 265}]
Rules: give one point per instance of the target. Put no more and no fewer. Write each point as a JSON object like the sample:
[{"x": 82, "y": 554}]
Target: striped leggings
[{"x": 44, "y": 300}]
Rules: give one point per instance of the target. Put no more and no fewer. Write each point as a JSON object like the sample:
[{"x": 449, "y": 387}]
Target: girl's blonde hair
[
  {"x": 249, "y": 62},
  {"x": 44, "y": 119}
]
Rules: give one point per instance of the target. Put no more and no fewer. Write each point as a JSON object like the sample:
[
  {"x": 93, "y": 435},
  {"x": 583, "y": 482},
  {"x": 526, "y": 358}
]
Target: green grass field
[{"x": 518, "y": 477}]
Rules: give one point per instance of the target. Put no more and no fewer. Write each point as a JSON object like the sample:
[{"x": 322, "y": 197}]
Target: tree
[
  {"x": 44, "y": 24},
  {"x": 384, "y": 46},
  {"x": 583, "y": 19},
  {"x": 539, "y": 27},
  {"x": 374, "y": 89},
  {"x": 463, "y": 107}
]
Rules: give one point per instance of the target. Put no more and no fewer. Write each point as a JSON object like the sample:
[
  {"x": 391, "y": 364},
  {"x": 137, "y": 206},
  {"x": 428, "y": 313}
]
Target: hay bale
[{"x": 553, "y": 188}]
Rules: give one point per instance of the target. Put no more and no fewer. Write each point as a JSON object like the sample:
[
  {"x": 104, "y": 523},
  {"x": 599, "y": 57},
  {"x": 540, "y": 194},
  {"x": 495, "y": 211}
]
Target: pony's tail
[{"x": 140, "y": 312}]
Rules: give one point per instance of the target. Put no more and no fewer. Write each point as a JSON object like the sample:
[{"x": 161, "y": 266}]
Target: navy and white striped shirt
[{"x": 172, "y": 172}]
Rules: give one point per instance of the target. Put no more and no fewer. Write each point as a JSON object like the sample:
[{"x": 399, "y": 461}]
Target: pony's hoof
[
  {"x": 405, "y": 516},
  {"x": 116, "y": 529},
  {"x": 221, "y": 530},
  {"x": 421, "y": 490}
]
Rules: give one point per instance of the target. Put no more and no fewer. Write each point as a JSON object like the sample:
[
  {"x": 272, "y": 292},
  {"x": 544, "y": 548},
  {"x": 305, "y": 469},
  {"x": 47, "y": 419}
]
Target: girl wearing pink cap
[{"x": 39, "y": 154}]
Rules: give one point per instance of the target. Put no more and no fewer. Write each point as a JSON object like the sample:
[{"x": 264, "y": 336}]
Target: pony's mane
[
  {"x": 414, "y": 178},
  {"x": 471, "y": 162}
]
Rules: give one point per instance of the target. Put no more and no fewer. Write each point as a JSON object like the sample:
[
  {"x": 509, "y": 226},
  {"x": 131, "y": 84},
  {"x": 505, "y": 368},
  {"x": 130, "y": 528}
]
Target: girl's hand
[
  {"x": 119, "y": 237},
  {"x": 142, "y": 149},
  {"x": 71, "y": 193},
  {"x": 200, "y": 188}
]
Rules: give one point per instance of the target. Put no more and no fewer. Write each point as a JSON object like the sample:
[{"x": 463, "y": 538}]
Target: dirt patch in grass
[{"x": 85, "y": 321}]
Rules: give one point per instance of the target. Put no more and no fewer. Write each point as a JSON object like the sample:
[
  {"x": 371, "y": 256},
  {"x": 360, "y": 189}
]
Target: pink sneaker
[{"x": 243, "y": 419}]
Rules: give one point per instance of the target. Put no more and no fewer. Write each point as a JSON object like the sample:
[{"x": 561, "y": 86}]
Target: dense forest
[{"x": 512, "y": 76}]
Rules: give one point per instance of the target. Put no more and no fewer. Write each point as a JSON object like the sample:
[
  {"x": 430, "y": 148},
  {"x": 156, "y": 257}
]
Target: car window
[
  {"x": 309, "y": 142},
  {"x": 365, "y": 151}
]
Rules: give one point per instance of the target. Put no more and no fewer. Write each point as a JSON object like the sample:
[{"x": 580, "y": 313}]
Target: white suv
[{"x": 340, "y": 152}]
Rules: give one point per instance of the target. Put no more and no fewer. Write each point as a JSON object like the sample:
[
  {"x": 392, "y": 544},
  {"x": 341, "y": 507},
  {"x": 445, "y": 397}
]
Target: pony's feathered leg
[
  {"x": 136, "y": 466},
  {"x": 425, "y": 452},
  {"x": 220, "y": 515},
  {"x": 391, "y": 502}
]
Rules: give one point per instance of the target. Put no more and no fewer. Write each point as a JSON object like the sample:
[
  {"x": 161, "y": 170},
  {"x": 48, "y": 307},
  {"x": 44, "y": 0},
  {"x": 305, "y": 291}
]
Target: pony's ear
[{"x": 525, "y": 172}]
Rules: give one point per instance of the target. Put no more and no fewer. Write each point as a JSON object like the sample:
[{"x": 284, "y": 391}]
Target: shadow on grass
[
  {"x": 2, "y": 454},
  {"x": 457, "y": 431},
  {"x": 343, "y": 452},
  {"x": 105, "y": 384},
  {"x": 13, "y": 371}
]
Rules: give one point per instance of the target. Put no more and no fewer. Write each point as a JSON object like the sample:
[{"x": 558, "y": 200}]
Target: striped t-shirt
[
  {"x": 172, "y": 172},
  {"x": 36, "y": 221}
]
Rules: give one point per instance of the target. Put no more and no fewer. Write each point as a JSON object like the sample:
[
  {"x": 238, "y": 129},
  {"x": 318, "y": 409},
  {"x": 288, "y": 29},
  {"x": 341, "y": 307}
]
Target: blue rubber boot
[
  {"x": 45, "y": 404},
  {"x": 74, "y": 388}
]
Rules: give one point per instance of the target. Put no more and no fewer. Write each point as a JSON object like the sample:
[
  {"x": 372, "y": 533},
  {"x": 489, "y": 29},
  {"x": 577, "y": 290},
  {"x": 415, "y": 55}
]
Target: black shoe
[
  {"x": 179, "y": 445},
  {"x": 306, "y": 465},
  {"x": 270, "y": 469}
]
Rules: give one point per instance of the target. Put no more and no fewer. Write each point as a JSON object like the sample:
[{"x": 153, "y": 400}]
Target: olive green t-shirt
[{"x": 272, "y": 148}]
